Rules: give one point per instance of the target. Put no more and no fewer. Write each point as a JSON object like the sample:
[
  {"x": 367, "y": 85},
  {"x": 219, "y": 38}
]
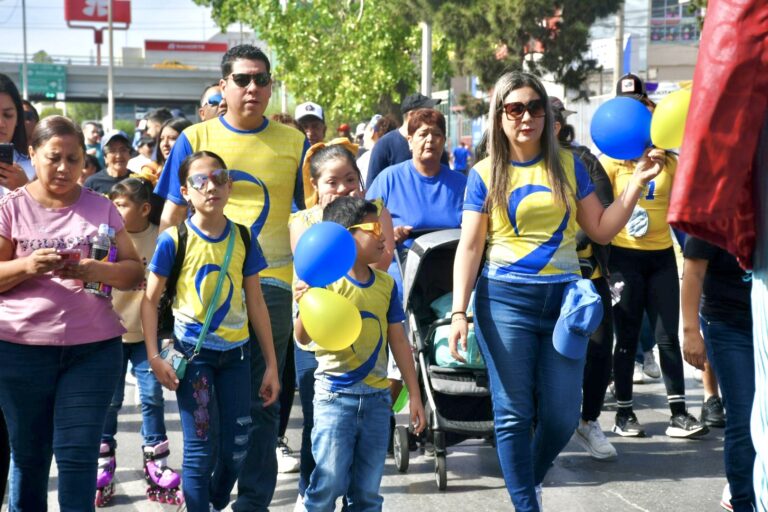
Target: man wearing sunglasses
[
  {"x": 211, "y": 103},
  {"x": 265, "y": 160}
]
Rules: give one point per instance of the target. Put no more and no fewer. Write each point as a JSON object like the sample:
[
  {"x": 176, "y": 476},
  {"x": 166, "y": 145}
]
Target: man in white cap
[{"x": 310, "y": 117}]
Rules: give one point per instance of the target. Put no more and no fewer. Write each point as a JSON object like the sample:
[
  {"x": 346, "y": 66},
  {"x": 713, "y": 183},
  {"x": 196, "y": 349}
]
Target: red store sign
[
  {"x": 95, "y": 11},
  {"x": 185, "y": 46}
]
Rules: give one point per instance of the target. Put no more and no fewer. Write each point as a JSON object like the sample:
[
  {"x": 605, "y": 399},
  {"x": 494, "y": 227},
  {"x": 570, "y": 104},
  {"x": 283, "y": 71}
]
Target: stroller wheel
[
  {"x": 400, "y": 447},
  {"x": 441, "y": 473}
]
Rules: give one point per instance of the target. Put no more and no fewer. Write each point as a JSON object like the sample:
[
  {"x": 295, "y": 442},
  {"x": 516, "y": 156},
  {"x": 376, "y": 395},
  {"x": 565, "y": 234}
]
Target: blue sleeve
[
  {"x": 584, "y": 184},
  {"x": 378, "y": 189},
  {"x": 298, "y": 189},
  {"x": 474, "y": 197},
  {"x": 395, "y": 313},
  {"x": 255, "y": 261},
  {"x": 164, "y": 257},
  {"x": 169, "y": 187},
  {"x": 378, "y": 161}
]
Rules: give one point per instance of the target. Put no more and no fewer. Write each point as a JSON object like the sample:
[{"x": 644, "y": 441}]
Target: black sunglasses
[
  {"x": 30, "y": 116},
  {"x": 536, "y": 108},
  {"x": 244, "y": 79}
]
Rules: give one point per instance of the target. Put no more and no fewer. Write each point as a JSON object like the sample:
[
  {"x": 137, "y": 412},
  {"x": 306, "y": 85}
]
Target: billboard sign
[{"x": 95, "y": 11}]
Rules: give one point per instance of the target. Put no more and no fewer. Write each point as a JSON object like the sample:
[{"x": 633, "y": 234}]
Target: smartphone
[
  {"x": 6, "y": 153},
  {"x": 69, "y": 257}
]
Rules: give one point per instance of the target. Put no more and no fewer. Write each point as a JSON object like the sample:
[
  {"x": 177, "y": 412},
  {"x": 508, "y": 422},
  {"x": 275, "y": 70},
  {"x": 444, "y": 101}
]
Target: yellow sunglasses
[{"x": 372, "y": 228}]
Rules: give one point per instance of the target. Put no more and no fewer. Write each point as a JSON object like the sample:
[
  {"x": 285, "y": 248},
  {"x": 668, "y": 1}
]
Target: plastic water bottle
[{"x": 100, "y": 250}]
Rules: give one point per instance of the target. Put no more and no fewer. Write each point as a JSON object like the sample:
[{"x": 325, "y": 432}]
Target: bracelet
[
  {"x": 156, "y": 355},
  {"x": 454, "y": 313},
  {"x": 459, "y": 319}
]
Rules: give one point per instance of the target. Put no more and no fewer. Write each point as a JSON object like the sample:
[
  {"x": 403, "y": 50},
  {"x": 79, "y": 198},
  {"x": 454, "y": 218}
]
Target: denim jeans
[
  {"x": 151, "y": 393},
  {"x": 349, "y": 441},
  {"x": 528, "y": 379},
  {"x": 258, "y": 476},
  {"x": 731, "y": 355},
  {"x": 306, "y": 364},
  {"x": 55, "y": 400},
  {"x": 209, "y": 472}
]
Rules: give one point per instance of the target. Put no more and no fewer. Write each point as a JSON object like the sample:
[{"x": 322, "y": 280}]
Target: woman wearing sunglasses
[{"x": 524, "y": 202}]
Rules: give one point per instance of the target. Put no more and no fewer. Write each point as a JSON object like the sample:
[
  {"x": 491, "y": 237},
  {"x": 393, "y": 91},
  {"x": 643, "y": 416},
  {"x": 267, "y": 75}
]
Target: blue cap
[
  {"x": 116, "y": 134},
  {"x": 580, "y": 315}
]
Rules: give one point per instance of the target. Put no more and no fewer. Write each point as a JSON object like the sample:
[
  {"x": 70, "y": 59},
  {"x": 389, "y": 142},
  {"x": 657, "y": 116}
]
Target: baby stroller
[{"x": 456, "y": 399}]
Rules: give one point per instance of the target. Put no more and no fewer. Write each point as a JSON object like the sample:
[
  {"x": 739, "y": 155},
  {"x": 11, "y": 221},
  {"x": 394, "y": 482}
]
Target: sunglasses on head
[
  {"x": 214, "y": 100},
  {"x": 244, "y": 79},
  {"x": 218, "y": 177},
  {"x": 536, "y": 108},
  {"x": 372, "y": 228}
]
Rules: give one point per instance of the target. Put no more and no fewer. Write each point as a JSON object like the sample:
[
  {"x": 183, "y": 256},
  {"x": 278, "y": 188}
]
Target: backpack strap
[
  {"x": 245, "y": 234},
  {"x": 178, "y": 260}
]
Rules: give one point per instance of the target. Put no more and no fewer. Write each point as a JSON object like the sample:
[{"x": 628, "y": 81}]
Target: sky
[{"x": 47, "y": 30}]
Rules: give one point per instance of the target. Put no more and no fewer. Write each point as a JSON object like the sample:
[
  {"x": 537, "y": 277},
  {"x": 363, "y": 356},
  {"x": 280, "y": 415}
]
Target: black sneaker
[
  {"x": 686, "y": 426},
  {"x": 628, "y": 426},
  {"x": 712, "y": 412}
]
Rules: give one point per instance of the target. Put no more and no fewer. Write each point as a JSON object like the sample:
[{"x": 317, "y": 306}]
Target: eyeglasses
[
  {"x": 372, "y": 228},
  {"x": 214, "y": 100},
  {"x": 218, "y": 177},
  {"x": 536, "y": 108},
  {"x": 244, "y": 79}
]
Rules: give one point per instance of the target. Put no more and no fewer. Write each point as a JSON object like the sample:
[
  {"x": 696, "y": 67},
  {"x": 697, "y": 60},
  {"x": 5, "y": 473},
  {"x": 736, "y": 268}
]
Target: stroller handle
[{"x": 429, "y": 338}]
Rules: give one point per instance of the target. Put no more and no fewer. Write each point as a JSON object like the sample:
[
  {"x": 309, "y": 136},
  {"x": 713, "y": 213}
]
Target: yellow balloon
[
  {"x": 668, "y": 123},
  {"x": 331, "y": 320}
]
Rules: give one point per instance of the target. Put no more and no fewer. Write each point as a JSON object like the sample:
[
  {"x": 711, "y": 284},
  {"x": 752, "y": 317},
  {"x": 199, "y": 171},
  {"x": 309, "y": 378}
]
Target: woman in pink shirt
[{"x": 60, "y": 347}]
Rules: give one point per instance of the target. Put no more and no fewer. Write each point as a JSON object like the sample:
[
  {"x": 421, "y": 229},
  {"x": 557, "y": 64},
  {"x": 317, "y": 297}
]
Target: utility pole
[
  {"x": 618, "y": 64},
  {"x": 426, "y": 58},
  {"x": 24, "y": 74},
  {"x": 110, "y": 71}
]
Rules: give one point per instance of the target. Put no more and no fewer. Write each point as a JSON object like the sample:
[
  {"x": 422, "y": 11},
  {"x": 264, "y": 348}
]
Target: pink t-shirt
[{"x": 46, "y": 310}]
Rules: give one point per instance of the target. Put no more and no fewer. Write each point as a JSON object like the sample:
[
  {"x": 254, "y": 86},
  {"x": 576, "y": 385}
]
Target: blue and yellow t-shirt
[
  {"x": 265, "y": 165},
  {"x": 534, "y": 240},
  {"x": 363, "y": 365},
  {"x": 197, "y": 283},
  {"x": 654, "y": 199}
]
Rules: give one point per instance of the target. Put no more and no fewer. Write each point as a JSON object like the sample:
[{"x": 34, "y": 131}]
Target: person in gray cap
[
  {"x": 393, "y": 147},
  {"x": 116, "y": 147},
  {"x": 311, "y": 119}
]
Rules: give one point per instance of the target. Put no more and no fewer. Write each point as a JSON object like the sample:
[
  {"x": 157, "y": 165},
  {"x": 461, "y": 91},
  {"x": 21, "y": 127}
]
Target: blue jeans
[
  {"x": 731, "y": 355},
  {"x": 209, "y": 472},
  {"x": 55, "y": 400},
  {"x": 306, "y": 364},
  {"x": 528, "y": 379},
  {"x": 258, "y": 476},
  {"x": 349, "y": 442},
  {"x": 151, "y": 393}
]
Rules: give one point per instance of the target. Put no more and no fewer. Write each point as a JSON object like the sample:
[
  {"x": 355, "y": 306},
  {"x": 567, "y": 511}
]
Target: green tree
[
  {"x": 126, "y": 125},
  {"x": 494, "y": 36},
  {"x": 353, "y": 57},
  {"x": 42, "y": 57},
  {"x": 50, "y": 111},
  {"x": 80, "y": 112}
]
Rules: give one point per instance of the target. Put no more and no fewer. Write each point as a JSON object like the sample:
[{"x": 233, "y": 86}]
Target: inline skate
[
  {"x": 105, "y": 486},
  {"x": 163, "y": 482}
]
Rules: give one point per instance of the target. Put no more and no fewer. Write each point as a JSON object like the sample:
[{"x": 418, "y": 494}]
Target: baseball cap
[
  {"x": 559, "y": 107},
  {"x": 632, "y": 86},
  {"x": 116, "y": 134},
  {"x": 309, "y": 109},
  {"x": 417, "y": 100},
  {"x": 580, "y": 315}
]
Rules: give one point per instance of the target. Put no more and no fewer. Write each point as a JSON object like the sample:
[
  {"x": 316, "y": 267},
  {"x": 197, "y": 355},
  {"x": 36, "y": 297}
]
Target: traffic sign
[{"x": 47, "y": 80}]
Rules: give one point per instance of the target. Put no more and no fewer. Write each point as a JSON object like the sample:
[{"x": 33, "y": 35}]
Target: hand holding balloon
[
  {"x": 324, "y": 254},
  {"x": 649, "y": 165},
  {"x": 621, "y": 128}
]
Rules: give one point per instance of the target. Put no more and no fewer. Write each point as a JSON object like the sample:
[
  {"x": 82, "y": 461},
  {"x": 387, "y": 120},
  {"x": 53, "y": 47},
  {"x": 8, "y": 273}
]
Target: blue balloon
[
  {"x": 324, "y": 254},
  {"x": 621, "y": 128}
]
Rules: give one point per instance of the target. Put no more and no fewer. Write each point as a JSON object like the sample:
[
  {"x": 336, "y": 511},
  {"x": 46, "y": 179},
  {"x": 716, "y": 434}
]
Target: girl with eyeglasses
[
  {"x": 13, "y": 131},
  {"x": 522, "y": 208}
]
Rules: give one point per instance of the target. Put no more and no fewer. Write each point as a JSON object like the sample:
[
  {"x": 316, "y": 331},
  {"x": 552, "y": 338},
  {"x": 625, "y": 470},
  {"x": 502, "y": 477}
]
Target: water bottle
[{"x": 100, "y": 251}]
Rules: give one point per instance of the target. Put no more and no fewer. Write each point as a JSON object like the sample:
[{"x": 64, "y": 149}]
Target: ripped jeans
[{"x": 209, "y": 472}]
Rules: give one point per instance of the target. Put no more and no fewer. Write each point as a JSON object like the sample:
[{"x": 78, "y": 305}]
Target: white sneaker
[
  {"x": 650, "y": 367},
  {"x": 725, "y": 501},
  {"x": 299, "y": 507},
  {"x": 590, "y": 436},
  {"x": 286, "y": 462},
  {"x": 637, "y": 376},
  {"x": 539, "y": 500}
]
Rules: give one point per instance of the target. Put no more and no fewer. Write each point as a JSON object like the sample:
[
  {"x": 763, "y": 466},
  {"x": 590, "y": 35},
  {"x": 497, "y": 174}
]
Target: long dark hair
[
  {"x": 175, "y": 123},
  {"x": 498, "y": 145},
  {"x": 19, "y": 139}
]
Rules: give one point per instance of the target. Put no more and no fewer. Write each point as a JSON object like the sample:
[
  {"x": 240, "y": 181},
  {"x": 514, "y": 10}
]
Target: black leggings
[
  {"x": 597, "y": 370},
  {"x": 287, "y": 391},
  {"x": 5, "y": 456},
  {"x": 651, "y": 285}
]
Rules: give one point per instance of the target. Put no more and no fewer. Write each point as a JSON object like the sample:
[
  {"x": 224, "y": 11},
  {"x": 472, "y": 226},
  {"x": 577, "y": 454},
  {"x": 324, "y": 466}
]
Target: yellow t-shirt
[
  {"x": 534, "y": 241},
  {"x": 127, "y": 303},
  {"x": 654, "y": 199},
  {"x": 265, "y": 165}
]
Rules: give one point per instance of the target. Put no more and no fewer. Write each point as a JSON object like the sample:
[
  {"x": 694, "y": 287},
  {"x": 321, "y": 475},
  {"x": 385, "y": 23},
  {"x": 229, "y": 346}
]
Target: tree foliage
[
  {"x": 42, "y": 57},
  {"x": 494, "y": 36},
  {"x": 353, "y": 57},
  {"x": 80, "y": 112}
]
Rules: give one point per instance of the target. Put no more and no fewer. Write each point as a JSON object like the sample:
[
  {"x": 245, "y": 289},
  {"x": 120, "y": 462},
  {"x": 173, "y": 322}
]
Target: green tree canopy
[
  {"x": 80, "y": 112},
  {"x": 42, "y": 57}
]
